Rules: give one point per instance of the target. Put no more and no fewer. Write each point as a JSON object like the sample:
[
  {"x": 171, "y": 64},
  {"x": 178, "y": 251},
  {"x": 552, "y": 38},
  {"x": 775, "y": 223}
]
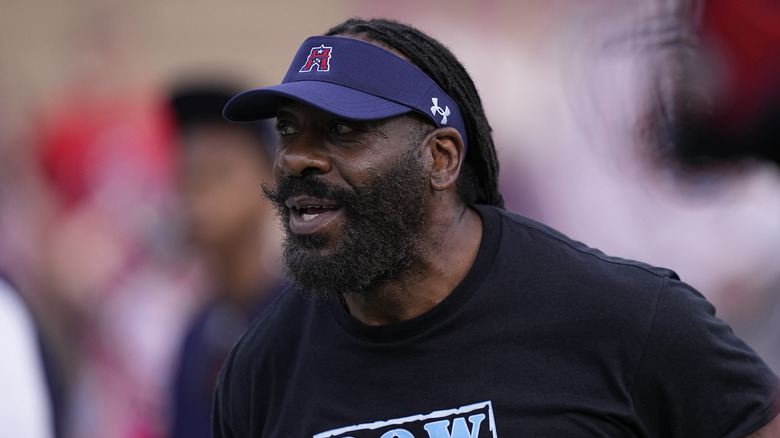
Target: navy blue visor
[{"x": 352, "y": 79}]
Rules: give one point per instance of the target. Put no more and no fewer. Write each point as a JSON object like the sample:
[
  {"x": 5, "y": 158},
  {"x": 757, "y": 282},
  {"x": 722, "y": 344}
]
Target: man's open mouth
[{"x": 309, "y": 213}]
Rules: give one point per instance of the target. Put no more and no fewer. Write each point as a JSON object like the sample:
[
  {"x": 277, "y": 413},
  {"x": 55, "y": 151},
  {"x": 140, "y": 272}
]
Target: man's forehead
[{"x": 291, "y": 105}]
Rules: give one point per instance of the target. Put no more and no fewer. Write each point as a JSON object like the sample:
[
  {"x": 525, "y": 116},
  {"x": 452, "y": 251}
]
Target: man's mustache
[{"x": 307, "y": 185}]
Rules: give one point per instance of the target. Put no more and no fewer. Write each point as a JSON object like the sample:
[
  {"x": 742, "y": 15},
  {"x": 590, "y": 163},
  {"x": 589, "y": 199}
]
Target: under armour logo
[
  {"x": 436, "y": 109},
  {"x": 319, "y": 58}
]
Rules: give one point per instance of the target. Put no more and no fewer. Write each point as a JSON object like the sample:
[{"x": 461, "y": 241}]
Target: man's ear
[{"x": 447, "y": 149}]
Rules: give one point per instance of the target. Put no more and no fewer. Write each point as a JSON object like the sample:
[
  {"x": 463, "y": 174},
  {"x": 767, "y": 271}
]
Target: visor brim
[{"x": 262, "y": 103}]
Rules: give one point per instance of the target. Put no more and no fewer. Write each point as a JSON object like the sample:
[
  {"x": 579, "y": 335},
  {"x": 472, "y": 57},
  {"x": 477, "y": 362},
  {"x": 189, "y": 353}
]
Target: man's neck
[{"x": 450, "y": 252}]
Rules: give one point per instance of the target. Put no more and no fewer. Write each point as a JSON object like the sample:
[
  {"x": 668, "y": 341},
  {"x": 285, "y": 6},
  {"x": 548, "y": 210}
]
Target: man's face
[{"x": 351, "y": 196}]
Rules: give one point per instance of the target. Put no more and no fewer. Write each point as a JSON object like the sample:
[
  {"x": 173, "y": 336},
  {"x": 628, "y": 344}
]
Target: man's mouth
[{"x": 310, "y": 215}]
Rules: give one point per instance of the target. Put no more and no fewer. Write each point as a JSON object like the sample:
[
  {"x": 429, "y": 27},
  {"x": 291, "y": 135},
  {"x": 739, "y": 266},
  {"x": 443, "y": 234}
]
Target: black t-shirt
[{"x": 545, "y": 337}]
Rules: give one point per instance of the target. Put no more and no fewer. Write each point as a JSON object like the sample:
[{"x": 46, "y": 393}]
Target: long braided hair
[{"x": 478, "y": 179}]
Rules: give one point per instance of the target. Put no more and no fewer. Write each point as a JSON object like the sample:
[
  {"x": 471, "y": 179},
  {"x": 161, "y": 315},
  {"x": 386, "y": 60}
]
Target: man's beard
[{"x": 379, "y": 239}]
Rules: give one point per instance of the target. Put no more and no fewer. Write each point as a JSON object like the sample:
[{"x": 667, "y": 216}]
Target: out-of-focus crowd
[{"x": 135, "y": 246}]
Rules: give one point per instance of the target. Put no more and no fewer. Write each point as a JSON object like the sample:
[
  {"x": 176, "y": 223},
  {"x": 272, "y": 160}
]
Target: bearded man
[{"x": 421, "y": 308}]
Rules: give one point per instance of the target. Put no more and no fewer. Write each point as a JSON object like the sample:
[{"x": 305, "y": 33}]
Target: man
[
  {"x": 223, "y": 165},
  {"x": 421, "y": 308}
]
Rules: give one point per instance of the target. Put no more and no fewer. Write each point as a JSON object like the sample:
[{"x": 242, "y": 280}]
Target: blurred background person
[
  {"x": 714, "y": 125},
  {"x": 25, "y": 404},
  {"x": 112, "y": 292},
  {"x": 232, "y": 229},
  {"x": 727, "y": 107},
  {"x": 30, "y": 380}
]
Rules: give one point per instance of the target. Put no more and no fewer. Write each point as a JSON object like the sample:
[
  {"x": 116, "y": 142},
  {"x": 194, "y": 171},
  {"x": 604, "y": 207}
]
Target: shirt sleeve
[{"x": 696, "y": 377}]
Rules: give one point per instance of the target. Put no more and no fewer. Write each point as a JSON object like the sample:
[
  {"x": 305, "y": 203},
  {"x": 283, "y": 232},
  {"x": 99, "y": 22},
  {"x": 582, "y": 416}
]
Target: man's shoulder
[{"x": 534, "y": 239}]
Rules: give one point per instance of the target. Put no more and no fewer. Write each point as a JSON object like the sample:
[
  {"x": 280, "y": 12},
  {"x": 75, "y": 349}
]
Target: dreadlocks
[{"x": 478, "y": 180}]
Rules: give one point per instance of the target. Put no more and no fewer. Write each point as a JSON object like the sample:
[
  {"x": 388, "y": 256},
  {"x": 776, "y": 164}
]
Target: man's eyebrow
[
  {"x": 283, "y": 108},
  {"x": 286, "y": 104}
]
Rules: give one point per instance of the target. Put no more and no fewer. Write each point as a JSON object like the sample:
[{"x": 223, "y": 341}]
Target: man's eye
[
  {"x": 284, "y": 128},
  {"x": 341, "y": 128}
]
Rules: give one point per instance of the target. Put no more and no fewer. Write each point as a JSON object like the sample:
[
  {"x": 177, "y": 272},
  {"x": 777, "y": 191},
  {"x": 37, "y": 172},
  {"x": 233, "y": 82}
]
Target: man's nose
[{"x": 302, "y": 156}]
